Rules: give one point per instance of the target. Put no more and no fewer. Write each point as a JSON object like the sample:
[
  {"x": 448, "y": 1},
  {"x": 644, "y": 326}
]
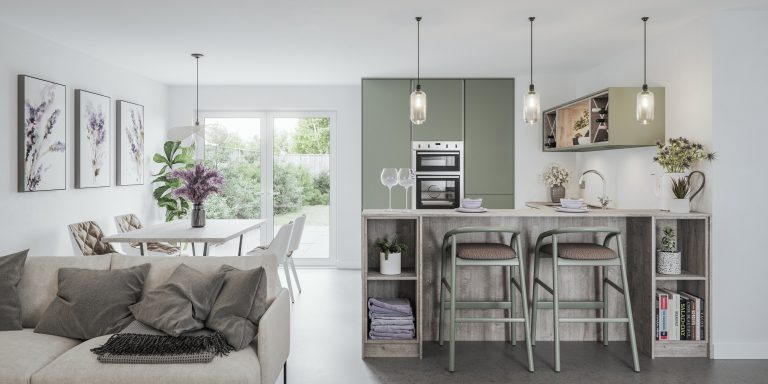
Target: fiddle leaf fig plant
[
  {"x": 390, "y": 246},
  {"x": 174, "y": 156}
]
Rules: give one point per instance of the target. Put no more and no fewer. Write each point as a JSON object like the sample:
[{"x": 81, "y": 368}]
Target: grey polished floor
[{"x": 325, "y": 348}]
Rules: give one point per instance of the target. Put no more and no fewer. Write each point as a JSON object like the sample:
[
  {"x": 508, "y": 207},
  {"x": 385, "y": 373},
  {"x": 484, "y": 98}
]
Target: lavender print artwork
[
  {"x": 131, "y": 143},
  {"x": 42, "y": 164},
  {"x": 92, "y": 152}
]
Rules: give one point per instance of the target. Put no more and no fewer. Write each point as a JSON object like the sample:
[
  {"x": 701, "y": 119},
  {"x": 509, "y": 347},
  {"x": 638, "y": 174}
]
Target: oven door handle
[
  {"x": 456, "y": 153},
  {"x": 457, "y": 177}
]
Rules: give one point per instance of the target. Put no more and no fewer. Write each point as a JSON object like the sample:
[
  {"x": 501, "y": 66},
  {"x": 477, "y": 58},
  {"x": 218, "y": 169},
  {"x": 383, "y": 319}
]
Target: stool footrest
[
  {"x": 543, "y": 285},
  {"x": 594, "y": 320},
  {"x": 571, "y": 304},
  {"x": 614, "y": 285},
  {"x": 478, "y": 305},
  {"x": 487, "y": 320}
]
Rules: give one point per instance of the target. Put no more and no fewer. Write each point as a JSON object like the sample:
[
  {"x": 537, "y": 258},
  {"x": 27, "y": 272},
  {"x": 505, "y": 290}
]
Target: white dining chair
[
  {"x": 298, "y": 230},
  {"x": 279, "y": 248}
]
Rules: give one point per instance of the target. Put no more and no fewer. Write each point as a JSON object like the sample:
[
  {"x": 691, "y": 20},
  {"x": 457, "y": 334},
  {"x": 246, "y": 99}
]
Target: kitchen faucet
[{"x": 604, "y": 200}]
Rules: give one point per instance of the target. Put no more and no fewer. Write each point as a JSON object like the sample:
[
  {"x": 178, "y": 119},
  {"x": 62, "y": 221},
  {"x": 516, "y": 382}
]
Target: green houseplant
[
  {"x": 668, "y": 257},
  {"x": 681, "y": 186},
  {"x": 581, "y": 129},
  {"x": 174, "y": 156},
  {"x": 390, "y": 255}
]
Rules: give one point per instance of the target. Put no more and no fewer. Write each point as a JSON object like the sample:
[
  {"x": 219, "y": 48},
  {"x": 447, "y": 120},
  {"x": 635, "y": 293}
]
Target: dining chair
[
  {"x": 89, "y": 239},
  {"x": 298, "y": 230},
  {"x": 279, "y": 248},
  {"x": 130, "y": 222}
]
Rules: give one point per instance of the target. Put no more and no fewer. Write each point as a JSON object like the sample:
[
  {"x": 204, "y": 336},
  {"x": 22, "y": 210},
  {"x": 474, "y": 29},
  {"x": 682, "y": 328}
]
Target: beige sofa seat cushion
[
  {"x": 40, "y": 282},
  {"x": 163, "y": 267},
  {"x": 79, "y": 366},
  {"x": 22, "y": 353}
]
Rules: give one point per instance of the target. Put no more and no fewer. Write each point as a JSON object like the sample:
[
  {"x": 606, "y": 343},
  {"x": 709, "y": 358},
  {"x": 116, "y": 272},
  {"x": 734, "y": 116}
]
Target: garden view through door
[{"x": 276, "y": 166}]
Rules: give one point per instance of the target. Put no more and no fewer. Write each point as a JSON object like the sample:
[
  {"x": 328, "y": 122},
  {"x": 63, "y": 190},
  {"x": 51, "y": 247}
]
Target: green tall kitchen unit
[
  {"x": 445, "y": 112},
  {"x": 386, "y": 138},
  {"x": 489, "y": 141}
]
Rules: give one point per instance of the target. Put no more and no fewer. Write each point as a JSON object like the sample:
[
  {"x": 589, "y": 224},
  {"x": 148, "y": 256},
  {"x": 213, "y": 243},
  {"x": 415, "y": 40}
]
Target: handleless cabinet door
[
  {"x": 445, "y": 105},
  {"x": 386, "y": 138},
  {"x": 489, "y": 137}
]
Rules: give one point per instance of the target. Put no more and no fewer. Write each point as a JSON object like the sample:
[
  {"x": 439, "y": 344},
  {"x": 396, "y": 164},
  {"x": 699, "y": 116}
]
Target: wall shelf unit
[{"x": 600, "y": 121}]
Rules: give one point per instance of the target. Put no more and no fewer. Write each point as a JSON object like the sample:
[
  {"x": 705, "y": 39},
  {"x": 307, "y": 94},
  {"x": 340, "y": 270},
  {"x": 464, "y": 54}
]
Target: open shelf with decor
[
  {"x": 602, "y": 120},
  {"x": 406, "y": 284}
]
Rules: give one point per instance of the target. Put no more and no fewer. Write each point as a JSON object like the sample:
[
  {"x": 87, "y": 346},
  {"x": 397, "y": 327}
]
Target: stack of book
[{"x": 679, "y": 316}]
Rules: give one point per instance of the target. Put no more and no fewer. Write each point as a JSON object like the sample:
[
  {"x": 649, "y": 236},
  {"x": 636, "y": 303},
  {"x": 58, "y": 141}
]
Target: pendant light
[
  {"x": 418, "y": 97},
  {"x": 645, "y": 97},
  {"x": 183, "y": 132},
  {"x": 531, "y": 101}
]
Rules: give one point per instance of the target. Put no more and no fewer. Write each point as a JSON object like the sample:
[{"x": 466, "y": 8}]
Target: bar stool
[
  {"x": 482, "y": 254},
  {"x": 581, "y": 255}
]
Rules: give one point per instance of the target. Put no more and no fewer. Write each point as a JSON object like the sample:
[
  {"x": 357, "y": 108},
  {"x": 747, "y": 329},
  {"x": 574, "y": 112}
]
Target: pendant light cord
[
  {"x": 197, "y": 91},
  {"x": 418, "y": 52},
  {"x": 645, "y": 51},
  {"x": 531, "y": 19}
]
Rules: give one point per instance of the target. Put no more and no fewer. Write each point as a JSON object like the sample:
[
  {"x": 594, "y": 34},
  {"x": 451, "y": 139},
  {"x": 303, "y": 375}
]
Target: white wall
[
  {"x": 345, "y": 100},
  {"x": 739, "y": 207},
  {"x": 679, "y": 59},
  {"x": 38, "y": 220}
]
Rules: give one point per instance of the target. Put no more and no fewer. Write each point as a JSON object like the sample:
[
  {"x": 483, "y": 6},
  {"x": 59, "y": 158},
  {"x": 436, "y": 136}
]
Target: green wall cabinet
[
  {"x": 386, "y": 138},
  {"x": 489, "y": 141},
  {"x": 444, "y": 111}
]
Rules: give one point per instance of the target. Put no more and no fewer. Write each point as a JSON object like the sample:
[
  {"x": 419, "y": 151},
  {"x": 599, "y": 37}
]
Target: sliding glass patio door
[{"x": 276, "y": 166}]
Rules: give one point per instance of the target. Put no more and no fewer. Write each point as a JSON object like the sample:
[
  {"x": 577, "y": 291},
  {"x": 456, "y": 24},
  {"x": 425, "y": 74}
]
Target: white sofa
[{"x": 31, "y": 358}]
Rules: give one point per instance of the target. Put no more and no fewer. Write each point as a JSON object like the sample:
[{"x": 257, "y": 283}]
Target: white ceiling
[{"x": 340, "y": 41}]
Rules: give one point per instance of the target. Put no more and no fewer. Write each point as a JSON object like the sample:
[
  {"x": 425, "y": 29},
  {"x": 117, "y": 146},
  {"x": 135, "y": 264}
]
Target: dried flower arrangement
[
  {"x": 198, "y": 183},
  {"x": 556, "y": 175},
  {"x": 680, "y": 154}
]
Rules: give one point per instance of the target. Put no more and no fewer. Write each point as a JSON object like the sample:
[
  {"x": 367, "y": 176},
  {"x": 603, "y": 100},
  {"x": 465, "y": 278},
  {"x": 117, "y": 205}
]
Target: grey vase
[
  {"x": 198, "y": 216},
  {"x": 557, "y": 192}
]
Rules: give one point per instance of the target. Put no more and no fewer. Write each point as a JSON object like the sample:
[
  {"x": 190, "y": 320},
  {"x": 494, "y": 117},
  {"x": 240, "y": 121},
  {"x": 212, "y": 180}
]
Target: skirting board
[{"x": 740, "y": 350}]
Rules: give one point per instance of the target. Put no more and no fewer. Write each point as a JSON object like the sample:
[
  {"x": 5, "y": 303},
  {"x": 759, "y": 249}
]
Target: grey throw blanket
[{"x": 140, "y": 344}]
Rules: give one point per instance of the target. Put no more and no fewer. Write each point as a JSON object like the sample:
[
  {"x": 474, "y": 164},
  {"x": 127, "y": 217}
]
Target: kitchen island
[{"x": 422, "y": 231}]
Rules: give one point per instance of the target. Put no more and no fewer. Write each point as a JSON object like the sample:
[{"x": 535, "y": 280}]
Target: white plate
[
  {"x": 470, "y": 210},
  {"x": 572, "y": 210}
]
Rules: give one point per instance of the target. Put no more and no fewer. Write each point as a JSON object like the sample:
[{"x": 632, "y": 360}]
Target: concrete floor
[{"x": 326, "y": 348}]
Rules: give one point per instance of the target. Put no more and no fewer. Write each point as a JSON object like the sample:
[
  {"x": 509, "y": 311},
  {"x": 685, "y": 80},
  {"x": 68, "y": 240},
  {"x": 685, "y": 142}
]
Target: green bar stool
[
  {"x": 581, "y": 255},
  {"x": 482, "y": 254}
]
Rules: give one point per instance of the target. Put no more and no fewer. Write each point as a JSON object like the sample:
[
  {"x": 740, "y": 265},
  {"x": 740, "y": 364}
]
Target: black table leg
[
  {"x": 141, "y": 248},
  {"x": 193, "y": 249},
  {"x": 205, "y": 249},
  {"x": 240, "y": 247},
  {"x": 285, "y": 373}
]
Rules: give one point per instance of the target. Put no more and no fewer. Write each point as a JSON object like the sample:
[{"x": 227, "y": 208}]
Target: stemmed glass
[
  {"x": 389, "y": 179},
  {"x": 407, "y": 179}
]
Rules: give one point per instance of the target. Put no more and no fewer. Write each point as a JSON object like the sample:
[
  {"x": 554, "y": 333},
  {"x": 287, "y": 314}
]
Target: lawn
[{"x": 317, "y": 215}]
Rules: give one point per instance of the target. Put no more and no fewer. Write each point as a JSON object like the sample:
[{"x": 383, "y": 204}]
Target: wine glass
[
  {"x": 389, "y": 179},
  {"x": 407, "y": 179}
]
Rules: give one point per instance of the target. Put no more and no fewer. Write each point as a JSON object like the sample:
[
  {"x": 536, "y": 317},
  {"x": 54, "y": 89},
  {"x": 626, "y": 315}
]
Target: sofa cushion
[
  {"x": 11, "y": 268},
  {"x": 22, "y": 353},
  {"x": 93, "y": 303},
  {"x": 182, "y": 303},
  {"x": 240, "y": 305},
  {"x": 79, "y": 366},
  {"x": 162, "y": 267},
  {"x": 40, "y": 282}
]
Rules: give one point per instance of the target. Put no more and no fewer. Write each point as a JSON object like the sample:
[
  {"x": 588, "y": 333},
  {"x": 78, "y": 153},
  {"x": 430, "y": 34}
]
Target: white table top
[{"x": 215, "y": 231}]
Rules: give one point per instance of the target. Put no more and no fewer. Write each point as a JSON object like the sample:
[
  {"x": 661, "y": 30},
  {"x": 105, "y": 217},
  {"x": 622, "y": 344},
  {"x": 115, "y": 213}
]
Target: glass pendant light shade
[
  {"x": 645, "y": 106},
  {"x": 531, "y": 107},
  {"x": 418, "y": 106}
]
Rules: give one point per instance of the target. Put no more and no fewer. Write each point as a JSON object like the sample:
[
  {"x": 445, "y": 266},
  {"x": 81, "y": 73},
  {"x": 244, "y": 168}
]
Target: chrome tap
[{"x": 604, "y": 200}]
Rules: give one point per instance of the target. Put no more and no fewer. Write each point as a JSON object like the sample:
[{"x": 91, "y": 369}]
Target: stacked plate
[
  {"x": 471, "y": 206},
  {"x": 572, "y": 206}
]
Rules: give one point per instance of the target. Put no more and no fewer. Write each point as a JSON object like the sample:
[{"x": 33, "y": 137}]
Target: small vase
[
  {"x": 557, "y": 192},
  {"x": 668, "y": 263},
  {"x": 390, "y": 264},
  {"x": 680, "y": 205},
  {"x": 198, "y": 216}
]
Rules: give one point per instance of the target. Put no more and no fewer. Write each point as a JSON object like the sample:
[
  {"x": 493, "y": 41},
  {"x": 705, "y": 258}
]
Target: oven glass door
[
  {"x": 435, "y": 192},
  {"x": 438, "y": 161}
]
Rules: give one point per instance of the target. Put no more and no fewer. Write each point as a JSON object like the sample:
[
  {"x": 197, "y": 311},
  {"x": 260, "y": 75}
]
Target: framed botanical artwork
[
  {"x": 130, "y": 143},
  {"x": 92, "y": 140},
  {"x": 42, "y": 135}
]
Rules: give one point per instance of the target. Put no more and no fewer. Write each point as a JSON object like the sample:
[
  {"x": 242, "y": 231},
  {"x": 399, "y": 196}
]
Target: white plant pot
[
  {"x": 664, "y": 188},
  {"x": 584, "y": 140},
  {"x": 389, "y": 265},
  {"x": 668, "y": 263},
  {"x": 680, "y": 205}
]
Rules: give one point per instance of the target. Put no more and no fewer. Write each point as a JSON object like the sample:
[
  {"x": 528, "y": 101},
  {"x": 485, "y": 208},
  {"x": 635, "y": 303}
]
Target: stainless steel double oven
[{"x": 439, "y": 168}]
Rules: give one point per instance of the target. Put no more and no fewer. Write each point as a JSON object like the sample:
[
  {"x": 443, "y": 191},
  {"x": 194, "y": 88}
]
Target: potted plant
[
  {"x": 174, "y": 156},
  {"x": 681, "y": 186},
  {"x": 556, "y": 177},
  {"x": 198, "y": 184},
  {"x": 676, "y": 158},
  {"x": 668, "y": 257},
  {"x": 581, "y": 129},
  {"x": 390, "y": 255}
]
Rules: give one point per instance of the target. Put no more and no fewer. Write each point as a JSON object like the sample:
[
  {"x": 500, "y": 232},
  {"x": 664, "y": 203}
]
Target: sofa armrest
[{"x": 274, "y": 338}]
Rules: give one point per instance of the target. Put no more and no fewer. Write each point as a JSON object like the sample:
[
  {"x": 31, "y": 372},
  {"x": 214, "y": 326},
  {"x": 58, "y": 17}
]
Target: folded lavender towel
[
  {"x": 391, "y": 335},
  {"x": 394, "y": 328},
  {"x": 400, "y": 305},
  {"x": 378, "y": 317},
  {"x": 388, "y": 314},
  {"x": 376, "y": 322}
]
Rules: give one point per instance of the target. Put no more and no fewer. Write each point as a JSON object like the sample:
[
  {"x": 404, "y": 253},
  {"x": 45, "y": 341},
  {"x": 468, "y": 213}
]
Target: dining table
[{"x": 215, "y": 231}]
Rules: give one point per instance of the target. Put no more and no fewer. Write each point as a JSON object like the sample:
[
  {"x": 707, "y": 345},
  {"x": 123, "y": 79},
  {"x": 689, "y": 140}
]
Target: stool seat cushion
[
  {"x": 485, "y": 251},
  {"x": 581, "y": 251}
]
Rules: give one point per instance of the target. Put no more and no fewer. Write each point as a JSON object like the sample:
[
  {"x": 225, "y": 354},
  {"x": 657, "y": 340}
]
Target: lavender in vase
[{"x": 198, "y": 184}]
